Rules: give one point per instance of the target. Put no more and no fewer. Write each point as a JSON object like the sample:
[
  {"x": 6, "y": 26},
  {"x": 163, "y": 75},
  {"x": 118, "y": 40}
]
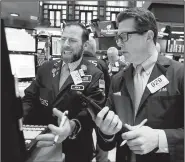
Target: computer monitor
[
  {"x": 20, "y": 39},
  {"x": 12, "y": 140},
  {"x": 106, "y": 42},
  {"x": 106, "y": 29},
  {"x": 56, "y": 45},
  {"x": 22, "y": 65}
]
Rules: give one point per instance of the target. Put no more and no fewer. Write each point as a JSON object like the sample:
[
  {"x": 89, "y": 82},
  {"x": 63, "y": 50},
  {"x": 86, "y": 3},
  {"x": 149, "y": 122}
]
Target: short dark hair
[
  {"x": 85, "y": 33},
  {"x": 144, "y": 19}
]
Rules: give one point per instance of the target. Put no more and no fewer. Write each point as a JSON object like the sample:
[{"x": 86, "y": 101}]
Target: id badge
[
  {"x": 115, "y": 69},
  {"x": 76, "y": 77},
  {"x": 77, "y": 87},
  {"x": 87, "y": 78},
  {"x": 157, "y": 83}
]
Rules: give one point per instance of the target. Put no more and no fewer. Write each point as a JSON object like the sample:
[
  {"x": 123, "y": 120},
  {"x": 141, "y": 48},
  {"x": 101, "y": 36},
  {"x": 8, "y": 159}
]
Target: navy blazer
[
  {"x": 44, "y": 90},
  {"x": 100, "y": 64},
  {"x": 164, "y": 110}
]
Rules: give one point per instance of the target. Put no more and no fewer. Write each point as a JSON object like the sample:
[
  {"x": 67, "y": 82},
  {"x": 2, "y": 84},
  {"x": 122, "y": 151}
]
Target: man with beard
[{"x": 56, "y": 82}]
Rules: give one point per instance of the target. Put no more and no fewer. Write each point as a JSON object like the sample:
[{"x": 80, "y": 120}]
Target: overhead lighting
[
  {"x": 162, "y": 29},
  {"x": 161, "y": 33},
  {"x": 182, "y": 36},
  {"x": 41, "y": 3},
  {"x": 33, "y": 17},
  {"x": 180, "y": 39},
  {"x": 177, "y": 32},
  {"x": 14, "y": 14}
]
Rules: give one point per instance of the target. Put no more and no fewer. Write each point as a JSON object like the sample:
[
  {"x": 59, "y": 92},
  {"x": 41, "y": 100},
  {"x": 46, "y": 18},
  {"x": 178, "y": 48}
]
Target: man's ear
[
  {"x": 85, "y": 44},
  {"x": 150, "y": 35}
]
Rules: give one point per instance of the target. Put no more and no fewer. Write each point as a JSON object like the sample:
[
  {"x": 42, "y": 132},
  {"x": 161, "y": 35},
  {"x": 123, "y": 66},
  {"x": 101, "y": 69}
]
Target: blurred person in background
[
  {"x": 90, "y": 55},
  {"x": 114, "y": 62}
]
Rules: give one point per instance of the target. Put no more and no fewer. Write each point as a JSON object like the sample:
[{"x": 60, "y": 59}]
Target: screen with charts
[
  {"x": 20, "y": 40},
  {"x": 22, "y": 65}
]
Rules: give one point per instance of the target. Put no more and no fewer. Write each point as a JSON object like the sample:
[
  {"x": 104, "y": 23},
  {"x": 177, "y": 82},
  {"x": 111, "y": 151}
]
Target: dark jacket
[
  {"x": 43, "y": 91},
  {"x": 100, "y": 64},
  {"x": 164, "y": 110}
]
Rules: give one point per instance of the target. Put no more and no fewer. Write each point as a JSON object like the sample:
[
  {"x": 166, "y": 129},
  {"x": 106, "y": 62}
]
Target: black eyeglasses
[{"x": 123, "y": 37}]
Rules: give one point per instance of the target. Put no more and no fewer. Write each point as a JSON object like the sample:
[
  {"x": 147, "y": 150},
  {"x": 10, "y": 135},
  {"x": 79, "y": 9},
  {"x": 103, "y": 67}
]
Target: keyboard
[{"x": 31, "y": 132}]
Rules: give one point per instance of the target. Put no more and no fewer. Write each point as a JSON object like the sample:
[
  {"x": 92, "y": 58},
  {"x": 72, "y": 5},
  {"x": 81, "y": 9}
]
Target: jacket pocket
[{"x": 165, "y": 111}]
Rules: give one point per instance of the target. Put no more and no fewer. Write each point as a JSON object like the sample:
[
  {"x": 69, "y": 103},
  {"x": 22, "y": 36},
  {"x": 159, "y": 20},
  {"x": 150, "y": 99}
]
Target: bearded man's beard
[{"x": 72, "y": 58}]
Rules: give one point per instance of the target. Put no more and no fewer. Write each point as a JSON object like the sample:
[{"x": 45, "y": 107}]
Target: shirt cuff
[
  {"x": 106, "y": 138},
  {"x": 163, "y": 144}
]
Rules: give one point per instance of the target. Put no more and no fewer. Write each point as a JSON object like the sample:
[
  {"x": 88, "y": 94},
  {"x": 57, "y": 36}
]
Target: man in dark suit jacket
[
  {"x": 44, "y": 94},
  {"x": 90, "y": 55},
  {"x": 161, "y": 102}
]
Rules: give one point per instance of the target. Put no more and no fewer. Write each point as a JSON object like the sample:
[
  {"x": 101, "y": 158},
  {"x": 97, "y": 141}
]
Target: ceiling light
[
  {"x": 14, "y": 14},
  {"x": 180, "y": 39},
  {"x": 41, "y": 3},
  {"x": 162, "y": 29},
  {"x": 33, "y": 17},
  {"x": 161, "y": 33},
  {"x": 177, "y": 32}
]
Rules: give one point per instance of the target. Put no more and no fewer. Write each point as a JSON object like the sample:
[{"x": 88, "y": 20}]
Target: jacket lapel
[
  {"x": 128, "y": 76},
  {"x": 160, "y": 68},
  {"x": 69, "y": 80},
  {"x": 56, "y": 76}
]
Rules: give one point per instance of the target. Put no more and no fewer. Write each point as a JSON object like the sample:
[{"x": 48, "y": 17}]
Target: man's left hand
[
  {"x": 45, "y": 140},
  {"x": 141, "y": 140}
]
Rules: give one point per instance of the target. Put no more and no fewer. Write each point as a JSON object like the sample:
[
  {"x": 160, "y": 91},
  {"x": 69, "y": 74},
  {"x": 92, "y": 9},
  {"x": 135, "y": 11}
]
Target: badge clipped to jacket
[
  {"x": 76, "y": 77},
  {"x": 157, "y": 83}
]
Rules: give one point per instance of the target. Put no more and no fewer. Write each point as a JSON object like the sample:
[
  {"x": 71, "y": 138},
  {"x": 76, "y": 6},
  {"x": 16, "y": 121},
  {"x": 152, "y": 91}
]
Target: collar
[
  {"x": 73, "y": 65},
  {"x": 149, "y": 63},
  {"x": 88, "y": 54}
]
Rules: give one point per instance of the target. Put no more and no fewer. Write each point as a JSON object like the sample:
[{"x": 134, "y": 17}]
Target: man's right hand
[{"x": 108, "y": 122}]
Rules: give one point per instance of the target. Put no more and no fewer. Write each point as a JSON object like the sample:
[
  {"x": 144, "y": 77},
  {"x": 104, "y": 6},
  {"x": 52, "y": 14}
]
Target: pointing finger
[{"x": 130, "y": 135}]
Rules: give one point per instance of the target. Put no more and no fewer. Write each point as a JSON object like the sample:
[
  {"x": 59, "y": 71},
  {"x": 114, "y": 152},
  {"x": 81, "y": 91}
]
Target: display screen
[
  {"x": 56, "y": 45},
  {"x": 20, "y": 40},
  {"x": 106, "y": 29},
  {"x": 23, "y": 66},
  {"x": 107, "y": 42}
]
